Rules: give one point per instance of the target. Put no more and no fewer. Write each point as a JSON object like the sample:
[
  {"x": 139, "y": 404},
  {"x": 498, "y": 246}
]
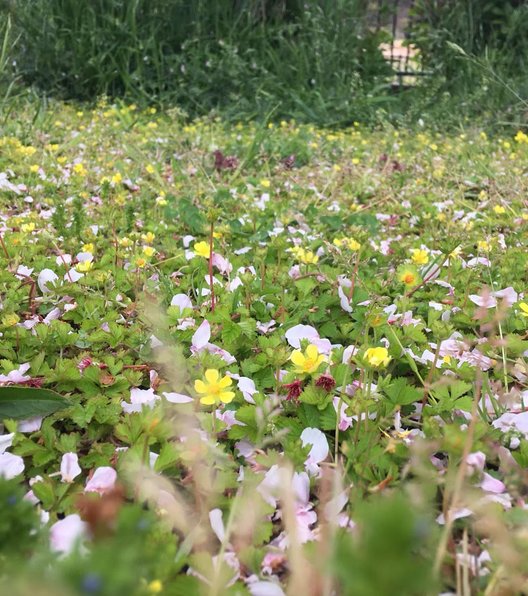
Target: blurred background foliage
[{"x": 314, "y": 60}]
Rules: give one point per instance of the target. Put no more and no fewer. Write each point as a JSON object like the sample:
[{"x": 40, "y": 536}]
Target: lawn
[{"x": 284, "y": 360}]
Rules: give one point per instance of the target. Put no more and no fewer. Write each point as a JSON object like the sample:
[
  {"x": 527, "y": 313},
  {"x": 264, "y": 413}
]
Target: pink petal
[
  {"x": 491, "y": 484},
  {"x": 102, "y": 480},
  {"x": 509, "y": 295}
]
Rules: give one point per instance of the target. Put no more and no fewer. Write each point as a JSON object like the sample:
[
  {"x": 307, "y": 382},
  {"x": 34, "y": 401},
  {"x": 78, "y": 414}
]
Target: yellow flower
[
  {"x": 84, "y": 266},
  {"x": 27, "y": 227},
  {"x": 308, "y": 362},
  {"x": 88, "y": 247},
  {"x": 125, "y": 242},
  {"x": 499, "y": 209},
  {"x": 214, "y": 389},
  {"x": 141, "y": 262},
  {"x": 202, "y": 249},
  {"x": 148, "y": 238},
  {"x": 155, "y": 586},
  {"x": 10, "y": 320},
  {"x": 161, "y": 201},
  {"x": 308, "y": 257},
  {"x": 265, "y": 183},
  {"x": 408, "y": 276},
  {"x": 304, "y": 256},
  {"x": 34, "y": 168},
  {"x": 484, "y": 245},
  {"x": 117, "y": 178},
  {"x": 79, "y": 169},
  {"x": 148, "y": 251},
  {"x": 419, "y": 256},
  {"x": 349, "y": 243},
  {"x": 524, "y": 309},
  {"x": 521, "y": 137},
  {"x": 150, "y": 168},
  {"x": 377, "y": 356}
]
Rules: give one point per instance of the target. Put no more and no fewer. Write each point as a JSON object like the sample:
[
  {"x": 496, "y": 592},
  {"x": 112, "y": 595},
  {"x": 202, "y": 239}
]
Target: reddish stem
[{"x": 211, "y": 266}]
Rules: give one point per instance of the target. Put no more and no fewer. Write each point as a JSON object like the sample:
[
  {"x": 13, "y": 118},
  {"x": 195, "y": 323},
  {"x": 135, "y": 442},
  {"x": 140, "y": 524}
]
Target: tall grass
[
  {"x": 493, "y": 35},
  {"x": 313, "y": 58}
]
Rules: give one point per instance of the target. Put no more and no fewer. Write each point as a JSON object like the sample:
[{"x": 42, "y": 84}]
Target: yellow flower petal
[
  {"x": 227, "y": 396},
  {"x": 297, "y": 358},
  {"x": 211, "y": 375},
  {"x": 207, "y": 400},
  {"x": 312, "y": 352},
  {"x": 225, "y": 382},
  {"x": 199, "y": 386}
]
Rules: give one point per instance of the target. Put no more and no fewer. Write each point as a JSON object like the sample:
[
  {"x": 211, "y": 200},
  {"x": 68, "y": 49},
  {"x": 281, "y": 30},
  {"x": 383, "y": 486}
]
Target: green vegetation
[{"x": 345, "y": 409}]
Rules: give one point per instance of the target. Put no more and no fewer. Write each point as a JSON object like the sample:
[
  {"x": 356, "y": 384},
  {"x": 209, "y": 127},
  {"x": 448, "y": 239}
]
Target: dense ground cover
[{"x": 293, "y": 359}]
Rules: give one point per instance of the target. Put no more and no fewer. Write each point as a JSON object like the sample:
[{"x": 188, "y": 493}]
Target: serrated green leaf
[{"x": 401, "y": 393}]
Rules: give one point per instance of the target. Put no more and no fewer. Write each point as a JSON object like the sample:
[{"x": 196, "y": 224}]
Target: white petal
[
  {"x": 319, "y": 442},
  {"x": 10, "y": 465},
  {"x": 177, "y": 398},
  {"x": 201, "y": 336},
  {"x": 215, "y": 517},
  {"x": 69, "y": 468},
  {"x": 6, "y": 441},
  {"x": 182, "y": 301},
  {"x": 66, "y": 532},
  {"x": 45, "y": 277},
  {"x": 294, "y": 335}
]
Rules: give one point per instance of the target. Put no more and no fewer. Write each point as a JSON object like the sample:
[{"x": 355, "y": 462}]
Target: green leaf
[
  {"x": 401, "y": 393},
  {"x": 25, "y": 402},
  {"x": 313, "y": 395}
]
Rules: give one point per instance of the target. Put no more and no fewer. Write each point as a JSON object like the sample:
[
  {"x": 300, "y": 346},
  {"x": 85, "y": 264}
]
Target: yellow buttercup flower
[
  {"x": 79, "y": 169},
  {"x": 524, "y": 309},
  {"x": 419, "y": 256},
  {"x": 10, "y": 320},
  {"x": 349, "y": 243},
  {"x": 265, "y": 183},
  {"x": 499, "y": 209},
  {"x": 155, "y": 587},
  {"x": 309, "y": 361},
  {"x": 27, "y": 227},
  {"x": 377, "y": 357},
  {"x": 148, "y": 238},
  {"x": 213, "y": 389},
  {"x": 521, "y": 137},
  {"x": 202, "y": 249},
  {"x": 408, "y": 276},
  {"x": 88, "y": 247},
  {"x": 305, "y": 256},
  {"x": 484, "y": 245},
  {"x": 84, "y": 266},
  {"x": 148, "y": 251},
  {"x": 141, "y": 262}
]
